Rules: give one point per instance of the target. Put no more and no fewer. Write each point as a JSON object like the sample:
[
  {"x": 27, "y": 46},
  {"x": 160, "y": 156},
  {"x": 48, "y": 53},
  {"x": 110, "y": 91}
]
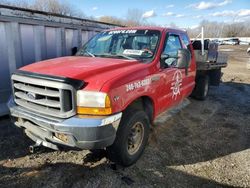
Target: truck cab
[{"x": 107, "y": 95}]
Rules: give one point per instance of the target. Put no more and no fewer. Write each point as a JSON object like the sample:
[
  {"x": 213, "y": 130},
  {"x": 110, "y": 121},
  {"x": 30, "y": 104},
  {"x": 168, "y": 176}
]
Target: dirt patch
[{"x": 205, "y": 144}]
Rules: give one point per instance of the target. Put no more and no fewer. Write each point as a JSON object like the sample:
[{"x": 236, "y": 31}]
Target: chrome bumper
[{"x": 85, "y": 132}]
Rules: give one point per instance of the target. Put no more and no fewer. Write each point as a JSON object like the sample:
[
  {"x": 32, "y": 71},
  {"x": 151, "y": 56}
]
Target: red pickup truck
[{"x": 108, "y": 94}]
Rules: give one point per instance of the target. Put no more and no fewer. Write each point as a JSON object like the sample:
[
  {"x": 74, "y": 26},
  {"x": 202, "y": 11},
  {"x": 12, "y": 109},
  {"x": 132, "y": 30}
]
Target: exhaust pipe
[{"x": 34, "y": 148}]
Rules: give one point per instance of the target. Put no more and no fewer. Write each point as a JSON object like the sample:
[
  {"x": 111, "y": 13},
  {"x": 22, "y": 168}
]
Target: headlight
[{"x": 93, "y": 103}]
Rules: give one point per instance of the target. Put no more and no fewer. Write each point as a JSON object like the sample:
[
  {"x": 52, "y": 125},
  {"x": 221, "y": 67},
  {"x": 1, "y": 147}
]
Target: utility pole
[{"x": 202, "y": 41}]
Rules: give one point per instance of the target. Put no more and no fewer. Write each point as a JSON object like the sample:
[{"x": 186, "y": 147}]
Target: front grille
[{"x": 44, "y": 96}]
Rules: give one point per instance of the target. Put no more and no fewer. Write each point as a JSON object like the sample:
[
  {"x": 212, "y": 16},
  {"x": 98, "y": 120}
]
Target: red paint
[{"x": 112, "y": 76}]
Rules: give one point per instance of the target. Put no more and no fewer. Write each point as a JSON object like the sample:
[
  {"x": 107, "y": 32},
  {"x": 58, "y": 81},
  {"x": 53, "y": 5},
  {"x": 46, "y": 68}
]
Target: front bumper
[{"x": 84, "y": 132}]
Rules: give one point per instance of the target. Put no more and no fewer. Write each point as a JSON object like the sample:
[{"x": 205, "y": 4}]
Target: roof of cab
[{"x": 147, "y": 27}]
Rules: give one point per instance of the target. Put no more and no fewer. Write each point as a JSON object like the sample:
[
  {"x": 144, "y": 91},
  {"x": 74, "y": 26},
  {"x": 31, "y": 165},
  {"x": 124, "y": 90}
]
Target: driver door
[{"x": 172, "y": 77}]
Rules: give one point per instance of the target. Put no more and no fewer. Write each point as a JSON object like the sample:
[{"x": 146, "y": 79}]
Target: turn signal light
[{"x": 94, "y": 111}]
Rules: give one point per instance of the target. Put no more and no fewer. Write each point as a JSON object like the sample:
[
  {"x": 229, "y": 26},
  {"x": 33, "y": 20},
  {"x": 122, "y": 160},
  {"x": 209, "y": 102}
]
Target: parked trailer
[{"x": 28, "y": 36}]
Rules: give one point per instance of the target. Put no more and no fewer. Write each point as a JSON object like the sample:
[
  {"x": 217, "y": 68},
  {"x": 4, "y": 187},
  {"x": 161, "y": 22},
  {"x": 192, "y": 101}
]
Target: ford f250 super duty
[{"x": 107, "y": 95}]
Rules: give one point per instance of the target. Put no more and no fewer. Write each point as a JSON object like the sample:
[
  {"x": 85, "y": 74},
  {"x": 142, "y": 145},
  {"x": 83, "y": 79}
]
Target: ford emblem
[{"x": 31, "y": 95}]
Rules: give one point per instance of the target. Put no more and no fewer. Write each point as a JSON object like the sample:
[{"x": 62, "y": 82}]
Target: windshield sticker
[
  {"x": 132, "y": 52},
  {"x": 176, "y": 84},
  {"x": 122, "y": 31},
  {"x": 138, "y": 84}
]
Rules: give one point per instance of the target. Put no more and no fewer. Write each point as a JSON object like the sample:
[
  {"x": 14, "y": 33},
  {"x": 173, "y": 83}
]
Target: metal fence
[{"x": 27, "y": 36}]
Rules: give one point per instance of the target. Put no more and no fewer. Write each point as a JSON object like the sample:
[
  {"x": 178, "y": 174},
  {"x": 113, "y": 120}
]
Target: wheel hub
[{"x": 135, "y": 138}]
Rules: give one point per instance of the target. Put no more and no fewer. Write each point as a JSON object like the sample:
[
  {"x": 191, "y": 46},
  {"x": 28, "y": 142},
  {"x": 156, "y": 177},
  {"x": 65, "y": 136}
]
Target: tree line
[
  {"x": 52, "y": 6},
  {"x": 221, "y": 30}
]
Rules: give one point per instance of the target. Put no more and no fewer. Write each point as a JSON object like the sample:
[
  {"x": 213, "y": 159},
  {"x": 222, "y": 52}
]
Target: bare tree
[
  {"x": 233, "y": 30},
  {"x": 218, "y": 29},
  {"x": 57, "y": 7},
  {"x": 21, "y": 3},
  {"x": 52, "y": 6},
  {"x": 134, "y": 17},
  {"x": 112, "y": 20}
]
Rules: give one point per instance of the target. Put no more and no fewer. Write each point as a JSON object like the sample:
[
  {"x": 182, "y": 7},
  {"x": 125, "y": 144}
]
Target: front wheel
[{"x": 131, "y": 138}]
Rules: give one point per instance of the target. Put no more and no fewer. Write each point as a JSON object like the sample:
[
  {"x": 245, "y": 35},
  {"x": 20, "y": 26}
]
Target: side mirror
[
  {"x": 163, "y": 59},
  {"x": 184, "y": 59},
  {"x": 74, "y": 50}
]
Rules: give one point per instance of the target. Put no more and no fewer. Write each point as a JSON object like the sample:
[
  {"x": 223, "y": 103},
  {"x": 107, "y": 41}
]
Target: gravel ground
[{"x": 204, "y": 144}]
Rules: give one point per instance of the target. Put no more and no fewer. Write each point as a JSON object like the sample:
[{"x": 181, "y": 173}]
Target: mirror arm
[
  {"x": 186, "y": 71},
  {"x": 163, "y": 65}
]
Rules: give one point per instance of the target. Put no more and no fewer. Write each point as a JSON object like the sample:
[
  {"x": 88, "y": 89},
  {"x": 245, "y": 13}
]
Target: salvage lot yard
[{"x": 205, "y": 144}]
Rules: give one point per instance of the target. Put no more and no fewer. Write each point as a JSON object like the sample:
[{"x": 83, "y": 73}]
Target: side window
[
  {"x": 172, "y": 46},
  {"x": 185, "y": 41}
]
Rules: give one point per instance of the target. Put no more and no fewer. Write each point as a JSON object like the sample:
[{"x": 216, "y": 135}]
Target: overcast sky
[{"x": 185, "y": 13}]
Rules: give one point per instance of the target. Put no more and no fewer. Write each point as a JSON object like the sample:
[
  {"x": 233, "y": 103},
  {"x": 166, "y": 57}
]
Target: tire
[
  {"x": 201, "y": 88},
  {"x": 122, "y": 151},
  {"x": 215, "y": 77}
]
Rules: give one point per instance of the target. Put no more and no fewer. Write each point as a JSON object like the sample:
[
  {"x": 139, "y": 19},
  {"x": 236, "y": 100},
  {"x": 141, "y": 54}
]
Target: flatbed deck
[{"x": 204, "y": 62}]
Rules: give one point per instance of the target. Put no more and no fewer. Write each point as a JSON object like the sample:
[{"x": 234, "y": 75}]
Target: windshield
[{"x": 125, "y": 44}]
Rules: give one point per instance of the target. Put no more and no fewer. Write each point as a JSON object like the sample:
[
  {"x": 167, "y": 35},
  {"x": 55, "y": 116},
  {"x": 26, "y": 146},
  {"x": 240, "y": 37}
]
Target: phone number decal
[{"x": 136, "y": 85}]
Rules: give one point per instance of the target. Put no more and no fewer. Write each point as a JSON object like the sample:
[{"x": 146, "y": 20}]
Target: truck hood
[
  {"x": 78, "y": 67},
  {"x": 92, "y": 70}
]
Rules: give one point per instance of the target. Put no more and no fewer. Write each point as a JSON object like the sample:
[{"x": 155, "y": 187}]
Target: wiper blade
[
  {"x": 90, "y": 54},
  {"x": 124, "y": 56},
  {"x": 85, "y": 53},
  {"x": 116, "y": 55}
]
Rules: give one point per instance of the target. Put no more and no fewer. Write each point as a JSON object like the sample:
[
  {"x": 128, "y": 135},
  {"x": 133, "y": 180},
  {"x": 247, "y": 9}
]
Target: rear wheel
[
  {"x": 215, "y": 77},
  {"x": 131, "y": 138},
  {"x": 201, "y": 88}
]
